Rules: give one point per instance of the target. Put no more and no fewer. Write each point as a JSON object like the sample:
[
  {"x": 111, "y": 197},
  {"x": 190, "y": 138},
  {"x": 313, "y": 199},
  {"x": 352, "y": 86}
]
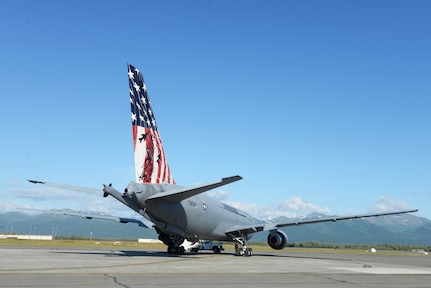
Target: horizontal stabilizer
[
  {"x": 70, "y": 187},
  {"x": 180, "y": 194}
]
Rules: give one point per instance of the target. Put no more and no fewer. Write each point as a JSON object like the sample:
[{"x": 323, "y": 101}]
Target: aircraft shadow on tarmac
[
  {"x": 141, "y": 253},
  {"x": 121, "y": 253},
  {"x": 138, "y": 253}
]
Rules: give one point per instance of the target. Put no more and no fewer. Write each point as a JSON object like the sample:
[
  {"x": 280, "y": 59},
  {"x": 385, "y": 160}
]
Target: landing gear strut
[{"x": 241, "y": 249}]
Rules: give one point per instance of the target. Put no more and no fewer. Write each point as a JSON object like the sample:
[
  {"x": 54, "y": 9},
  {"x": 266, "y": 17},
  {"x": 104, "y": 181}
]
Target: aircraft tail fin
[{"x": 151, "y": 165}]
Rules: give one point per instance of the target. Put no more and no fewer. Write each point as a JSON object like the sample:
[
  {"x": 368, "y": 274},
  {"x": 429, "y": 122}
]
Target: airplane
[{"x": 183, "y": 213}]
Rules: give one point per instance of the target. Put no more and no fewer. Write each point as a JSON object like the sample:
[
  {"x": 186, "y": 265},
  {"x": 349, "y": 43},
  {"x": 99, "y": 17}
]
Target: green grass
[
  {"x": 229, "y": 247},
  {"x": 79, "y": 243}
]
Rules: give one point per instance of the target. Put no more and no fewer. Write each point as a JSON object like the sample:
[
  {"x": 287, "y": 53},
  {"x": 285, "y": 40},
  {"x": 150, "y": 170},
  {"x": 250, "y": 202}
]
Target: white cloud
[
  {"x": 297, "y": 204},
  {"x": 44, "y": 194},
  {"x": 8, "y": 206},
  {"x": 293, "y": 207},
  {"x": 109, "y": 206},
  {"x": 218, "y": 194},
  {"x": 47, "y": 198},
  {"x": 387, "y": 204},
  {"x": 54, "y": 198}
]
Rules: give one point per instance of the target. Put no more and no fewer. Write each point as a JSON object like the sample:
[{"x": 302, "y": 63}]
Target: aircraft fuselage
[{"x": 197, "y": 217}]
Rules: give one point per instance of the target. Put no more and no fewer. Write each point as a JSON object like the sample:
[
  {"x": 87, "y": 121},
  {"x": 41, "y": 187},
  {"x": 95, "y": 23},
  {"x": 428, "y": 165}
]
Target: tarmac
[{"x": 97, "y": 268}]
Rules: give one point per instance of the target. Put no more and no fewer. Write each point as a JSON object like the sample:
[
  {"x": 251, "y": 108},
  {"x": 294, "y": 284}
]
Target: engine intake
[{"x": 277, "y": 240}]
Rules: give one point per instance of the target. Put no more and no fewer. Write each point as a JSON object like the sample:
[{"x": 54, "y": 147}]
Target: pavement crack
[
  {"x": 115, "y": 280},
  {"x": 340, "y": 281}
]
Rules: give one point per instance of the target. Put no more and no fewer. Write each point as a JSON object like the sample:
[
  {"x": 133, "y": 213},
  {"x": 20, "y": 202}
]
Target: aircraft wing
[
  {"x": 180, "y": 194},
  {"x": 272, "y": 225},
  {"x": 336, "y": 218},
  {"x": 90, "y": 216},
  {"x": 69, "y": 187}
]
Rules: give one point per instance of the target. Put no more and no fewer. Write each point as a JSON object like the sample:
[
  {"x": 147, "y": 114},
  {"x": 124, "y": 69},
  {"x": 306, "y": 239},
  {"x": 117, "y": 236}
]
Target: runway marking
[{"x": 386, "y": 270}]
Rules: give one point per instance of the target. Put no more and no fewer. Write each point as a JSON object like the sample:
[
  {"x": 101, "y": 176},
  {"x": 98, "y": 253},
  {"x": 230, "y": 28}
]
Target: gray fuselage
[{"x": 197, "y": 217}]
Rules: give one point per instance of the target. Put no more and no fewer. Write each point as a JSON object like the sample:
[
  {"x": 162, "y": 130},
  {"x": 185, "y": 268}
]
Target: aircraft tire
[
  {"x": 238, "y": 251},
  {"x": 171, "y": 249},
  {"x": 180, "y": 250}
]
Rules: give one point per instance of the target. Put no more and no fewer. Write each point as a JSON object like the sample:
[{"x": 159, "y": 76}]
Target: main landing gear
[
  {"x": 172, "y": 241},
  {"x": 173, "y": 248},
  {"x": 241, "y": 249}
]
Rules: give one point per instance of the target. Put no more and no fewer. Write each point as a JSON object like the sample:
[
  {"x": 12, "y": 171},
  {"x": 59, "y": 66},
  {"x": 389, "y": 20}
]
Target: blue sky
[{"x": 322, "y": 106}]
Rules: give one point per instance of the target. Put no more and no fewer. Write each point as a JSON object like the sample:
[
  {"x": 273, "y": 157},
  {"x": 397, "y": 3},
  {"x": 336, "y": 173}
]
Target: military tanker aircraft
[{"x": 183, "y": 213}]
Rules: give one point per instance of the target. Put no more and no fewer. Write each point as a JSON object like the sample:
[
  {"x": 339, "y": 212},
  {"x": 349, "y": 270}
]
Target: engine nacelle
[{"x": 277, "y": 240}]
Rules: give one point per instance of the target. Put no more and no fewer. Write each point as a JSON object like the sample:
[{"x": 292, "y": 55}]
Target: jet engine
[{"x": 277, "y": 239}]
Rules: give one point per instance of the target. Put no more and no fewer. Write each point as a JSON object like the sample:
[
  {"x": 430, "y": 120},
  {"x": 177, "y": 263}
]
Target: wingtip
[
  {"x": 35, "y": 181},
  {"x": 232, "y": 178}
]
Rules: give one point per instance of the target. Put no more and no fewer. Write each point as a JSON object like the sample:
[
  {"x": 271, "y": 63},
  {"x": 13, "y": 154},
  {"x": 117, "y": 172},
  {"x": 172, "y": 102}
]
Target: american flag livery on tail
[{"x": 151, "y": 165}]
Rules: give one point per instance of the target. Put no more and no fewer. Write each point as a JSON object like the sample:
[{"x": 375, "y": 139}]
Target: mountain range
[{"x": 399, "y": 229}]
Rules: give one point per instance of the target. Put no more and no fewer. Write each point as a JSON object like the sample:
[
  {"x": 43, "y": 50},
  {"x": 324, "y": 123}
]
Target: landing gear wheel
[
  {"x": 180, "y": 250},
  {"x": 238, "y": 251},
  {"x": 243, "y": 251},
  {"x": 171, "y": 249},
  {"x": 241, "y": 245}
]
